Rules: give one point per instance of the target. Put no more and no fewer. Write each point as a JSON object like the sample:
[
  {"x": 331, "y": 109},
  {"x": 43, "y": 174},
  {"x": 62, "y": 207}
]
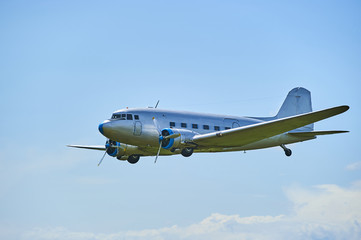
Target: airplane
[{"x": 135, "y": 132}]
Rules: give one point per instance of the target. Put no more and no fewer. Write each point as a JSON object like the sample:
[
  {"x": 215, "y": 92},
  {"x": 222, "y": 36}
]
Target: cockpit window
[
  {"x": 116, "y": 116},
  {"x": 122, "y": 116}
]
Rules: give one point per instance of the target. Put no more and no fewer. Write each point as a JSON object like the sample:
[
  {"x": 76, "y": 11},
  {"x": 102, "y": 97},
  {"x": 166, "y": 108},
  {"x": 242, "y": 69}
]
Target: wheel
[
  {"x": 288, "y": 152},
  {"x": 133, "y": 159},
  {"x": 187, "y": 152}
]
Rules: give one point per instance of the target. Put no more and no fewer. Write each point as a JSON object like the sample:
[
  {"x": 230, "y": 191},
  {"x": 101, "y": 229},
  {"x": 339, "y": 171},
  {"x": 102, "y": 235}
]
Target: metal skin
[
  {"x": 122, "y": 131},
  {"x": 161, "y": 129}
]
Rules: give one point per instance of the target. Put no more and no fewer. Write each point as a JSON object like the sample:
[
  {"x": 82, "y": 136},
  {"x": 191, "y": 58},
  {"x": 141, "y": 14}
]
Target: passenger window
[
  {"x": 129, "y": 117},
  {"x": 227, "y": 128},
  {"x": 217, "y": 128},
  {"x": 195, "y": 126},
  {"x": 136, "y": 117},
  {"x": 183, "y": 125},
  {"x": 172, "y": 124},
  {"x": 206, "y": 127}
]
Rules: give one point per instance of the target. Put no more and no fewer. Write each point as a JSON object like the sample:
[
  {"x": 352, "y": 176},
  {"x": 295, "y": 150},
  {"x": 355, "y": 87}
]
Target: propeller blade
[
  {"x": 160, "y": 136},
  {"x": 101, "y": 160},
  {"x": 175, "y": 135},
  {"x": 156, "y": 125},
  {"x": 160, "y": 146}
]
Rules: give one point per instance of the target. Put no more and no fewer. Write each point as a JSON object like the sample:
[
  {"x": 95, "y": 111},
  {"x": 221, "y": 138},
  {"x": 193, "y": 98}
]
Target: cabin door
[
  {"x": 137, "y": 128},
  {"x": 230, "y": 123}
]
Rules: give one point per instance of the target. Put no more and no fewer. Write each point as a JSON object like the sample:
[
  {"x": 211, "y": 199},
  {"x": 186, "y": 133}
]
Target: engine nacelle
[
  {"x": 120, "y": 150},
  {"x": 183, "y": 135}
]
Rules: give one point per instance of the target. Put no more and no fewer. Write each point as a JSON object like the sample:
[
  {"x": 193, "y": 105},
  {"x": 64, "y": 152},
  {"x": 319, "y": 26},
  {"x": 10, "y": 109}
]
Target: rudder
[{"x": 298, "y": 101}]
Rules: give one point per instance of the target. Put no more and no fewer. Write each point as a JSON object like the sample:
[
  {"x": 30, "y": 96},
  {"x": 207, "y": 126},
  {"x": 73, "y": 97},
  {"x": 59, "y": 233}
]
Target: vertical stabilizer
[{"x": 298, "y": 101}]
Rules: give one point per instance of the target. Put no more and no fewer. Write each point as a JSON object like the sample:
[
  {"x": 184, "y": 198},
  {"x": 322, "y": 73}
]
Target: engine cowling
[
  {"x": 112, "y": 147},
  {"x": 178, "y": 137},
  {"x": 120, "y": 150}
]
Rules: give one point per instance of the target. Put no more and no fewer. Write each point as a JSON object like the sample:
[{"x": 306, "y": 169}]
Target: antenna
[{"x": 156, "y": 104}]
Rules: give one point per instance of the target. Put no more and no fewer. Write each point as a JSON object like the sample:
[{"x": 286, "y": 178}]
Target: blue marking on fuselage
[{"x": 101, "y": 128}]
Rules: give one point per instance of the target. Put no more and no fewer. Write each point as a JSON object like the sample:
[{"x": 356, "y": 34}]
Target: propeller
[
  {"x": 108, "y": 145},
  {"x": 160, "y": 146},
  {"x": 101, "y": 160},
  {"x": 156, "y": 125},
  {"x": 162, "y": 137}
]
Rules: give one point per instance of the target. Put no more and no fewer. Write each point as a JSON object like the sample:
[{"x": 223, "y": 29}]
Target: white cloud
[
  {"x": 354, "y": 166},
  {"x": 322, "y": 212},
  {"x": 326, "y": 204}
]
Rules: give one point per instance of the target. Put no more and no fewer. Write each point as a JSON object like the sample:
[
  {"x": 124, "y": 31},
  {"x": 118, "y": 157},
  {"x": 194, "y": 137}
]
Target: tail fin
[{"x": 298, "y": 101}]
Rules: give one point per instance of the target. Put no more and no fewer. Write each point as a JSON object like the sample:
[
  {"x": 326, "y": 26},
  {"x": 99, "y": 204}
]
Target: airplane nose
[
  {"x": 101, "y": 128},
  {"x": 104, "y": 128},
  {"x": 107, "y": 129}
]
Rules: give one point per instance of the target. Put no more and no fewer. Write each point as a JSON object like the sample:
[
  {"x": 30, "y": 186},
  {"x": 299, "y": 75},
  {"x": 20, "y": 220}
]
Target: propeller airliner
[{"x": 135, "y": 132}]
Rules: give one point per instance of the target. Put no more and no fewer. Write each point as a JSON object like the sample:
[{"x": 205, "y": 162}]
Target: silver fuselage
[{"x": 142, "y": 136}]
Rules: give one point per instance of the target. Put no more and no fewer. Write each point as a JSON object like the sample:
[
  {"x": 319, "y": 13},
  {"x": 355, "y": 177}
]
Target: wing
[
  {"x": 240, "y": 136},
  {"x": 314, "y": 133},
  {"x": 101, "y": 148}
]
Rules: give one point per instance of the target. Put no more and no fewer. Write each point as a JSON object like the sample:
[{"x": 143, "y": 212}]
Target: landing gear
[
  {"x": 187, "y": 152},
  {"x": 288, "y": 151},
  {"x": 133, "y": 159}
]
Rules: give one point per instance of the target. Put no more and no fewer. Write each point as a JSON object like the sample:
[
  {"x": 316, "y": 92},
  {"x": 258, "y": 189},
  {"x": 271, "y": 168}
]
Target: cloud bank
[
  {"x": 354, "y": 166},
  {"x": 321, "y": 212}
]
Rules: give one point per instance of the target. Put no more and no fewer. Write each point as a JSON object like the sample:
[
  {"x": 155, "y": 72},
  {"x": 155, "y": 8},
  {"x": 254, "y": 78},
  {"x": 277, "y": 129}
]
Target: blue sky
[{"x": 65, "y": 66}]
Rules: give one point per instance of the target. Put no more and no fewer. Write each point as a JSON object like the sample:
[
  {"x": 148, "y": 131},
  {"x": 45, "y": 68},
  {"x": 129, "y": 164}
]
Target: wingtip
[
  {"x": 344, "y": 108},
  {"x": 340, "y": 109}
]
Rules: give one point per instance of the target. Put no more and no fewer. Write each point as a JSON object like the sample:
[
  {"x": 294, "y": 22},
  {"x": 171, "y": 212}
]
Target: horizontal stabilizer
[
  {"x": 315, "y": 133},
  {"x": 101, "y": 148}
]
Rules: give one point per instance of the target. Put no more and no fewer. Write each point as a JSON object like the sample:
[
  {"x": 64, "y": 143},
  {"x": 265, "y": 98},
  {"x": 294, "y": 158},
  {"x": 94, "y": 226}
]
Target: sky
[{"x": 65, "y": 66}]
